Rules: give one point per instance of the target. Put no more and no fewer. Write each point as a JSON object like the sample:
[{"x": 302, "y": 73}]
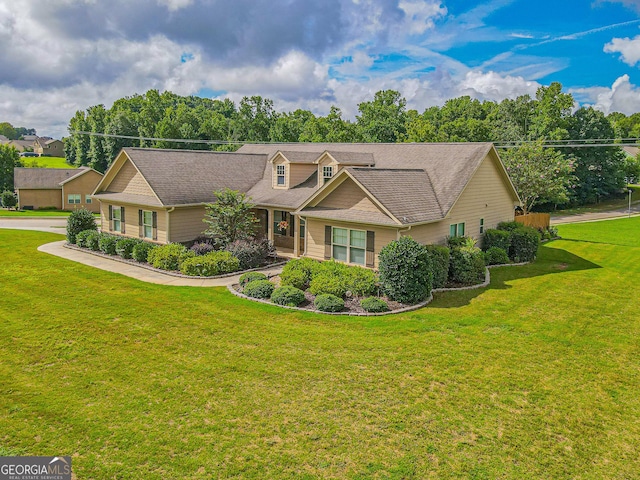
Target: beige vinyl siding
[
  {"x": 349, "y": 195},
  {"x": 40, "y": 198},
  {"x": 486, "y": 196},
  {"x": 83, "y": 185},
  {"x": 274, "y": 177},
  {"x": 186, "y": 223},
  {"x": 315, "y": 236},
  {"x": 131, "y": 228},
  {"x": 298, "y": 173},
  {"x": 129, "y": 180}
]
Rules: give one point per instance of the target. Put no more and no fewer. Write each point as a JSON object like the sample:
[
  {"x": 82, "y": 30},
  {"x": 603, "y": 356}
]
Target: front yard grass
[
  {"x": 46, "y": 162},
  {"x": 536, "y": 376},
  {"x": 33, "y": 213}
]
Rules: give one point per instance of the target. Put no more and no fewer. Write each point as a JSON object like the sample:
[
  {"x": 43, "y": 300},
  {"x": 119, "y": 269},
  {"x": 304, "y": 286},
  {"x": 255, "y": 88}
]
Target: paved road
[
  {"x": 592, "y": 217},
  {"x": 43, "y": 224}
]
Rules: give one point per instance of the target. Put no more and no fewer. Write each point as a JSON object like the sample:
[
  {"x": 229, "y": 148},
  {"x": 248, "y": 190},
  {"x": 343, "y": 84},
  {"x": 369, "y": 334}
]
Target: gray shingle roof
[
  {"x": 300, "y": 157},
  {"x": 43, "y": 178},
  {"x": 182, "y": 177},
  {"x": 352, "y": 158},
  {"x": 263, "y": 193},
  {"x": 349, "y": 215},
  {"x": 128, "y": 198}
]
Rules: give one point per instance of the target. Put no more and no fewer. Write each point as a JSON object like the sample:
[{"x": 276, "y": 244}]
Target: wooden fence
[{"x": 535, "y": 220}]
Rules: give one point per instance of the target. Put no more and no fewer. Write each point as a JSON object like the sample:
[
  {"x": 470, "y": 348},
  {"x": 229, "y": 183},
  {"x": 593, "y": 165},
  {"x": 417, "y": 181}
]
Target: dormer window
[
  {"x": 280, "y": 178},
  {"x": 327, "y": 173}
]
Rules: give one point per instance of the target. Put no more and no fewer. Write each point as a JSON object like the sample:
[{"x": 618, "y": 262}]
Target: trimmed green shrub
[
  {"x": 259, "y": 289},
  {"x": 461, "y": 241},
  {"x": 294, "y": 278},
  {"x": 8, "y": 199},
  {"x": 326, "y": 302},
  {"x": 213, "y": 263},
  {"x": 78, "y": 221},
  {"x": 405, "y": 270},
  {"x": 439, "y": 264},
  {"x": 107, "y": 243},
  {"x": 509, "y": 226},
  {"x": 524, "y": 244},
  {"x": 553, "y": 232},
  {"x": 496, "y": 238},
  {"x": 169, "y": 257},
  {"x": 496, "y": 256},
  {"x": 466, "y": 266},
  {"x": 92, "y": 241},
  {"x": 81, "y": 238},
  {"x": 124, "y": 246},
  {"x": 141, "y": 251},
  {"x": 251, "y": 253},
  {"x": 327, "y": 282},
  {"x": 307, "y": 266},
  {"x": 250, "y": 277},
  {"x": 360, "y": 281},
  {"x": 287, "y": 295},
  {"x": 374, "y": 305}
]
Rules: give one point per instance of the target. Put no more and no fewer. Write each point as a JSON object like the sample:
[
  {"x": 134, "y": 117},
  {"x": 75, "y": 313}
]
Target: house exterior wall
[
  {"x": 186, "y": 224},
  {"x": 129, "y": 180},
  {"x": 132, "y": 228},
  {"x": 348, "y": 195},
  {"x": 40, "y": 198},
  {"x": 315, "y": 236},
  {"x": 83, "y": 185},
  {"x": 486, "y": 197},
  {"x": 298, "y": 173}
]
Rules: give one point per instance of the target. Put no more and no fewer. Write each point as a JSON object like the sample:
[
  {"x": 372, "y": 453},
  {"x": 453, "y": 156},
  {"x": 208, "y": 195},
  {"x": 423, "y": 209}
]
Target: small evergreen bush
[
  {"x": 125, "y": 246},
  {"x": 287, "y": 295},
  {"x": 496, "y": 238},
  {"x": 461, "y": 241},
  {"x": 466, "y": 266},
  {"x": 405, "y": 270},
  {"x": 141, "y": 251},
  {"x": 509, "y": 226},
  {"x": 8, "y": 199},
  {"x": 250, "y": 277},
  {"x": 328, "y": 303},
  {"x": 107, "y": 243},
  {"x": 496, "y": 256},
  {"x": 78, "y": 221},
  {"x": 524, "y": 244},
  {"x": 328, "y": 283},
  {"x": 307, "y": 266},
  {"x": 439, "y": 264},
  {"x": 81, "y": 238},
  {"x": 92, "y": 241},
  {"x": 294, "y": 278},
  {"x": 259, "y": 289},
  {"x": 209, "y": 265},
  {"x": 251, "y": 253},
  {"x": 374, "y": 305},
  {"x": 169, "y": 257},
  {"x": 360, "y": 281},
  {"x": 201, "y": 248}
]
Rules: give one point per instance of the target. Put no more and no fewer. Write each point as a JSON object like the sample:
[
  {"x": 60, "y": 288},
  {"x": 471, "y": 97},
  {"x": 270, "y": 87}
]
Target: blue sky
[{"x": 60, "y": 56}]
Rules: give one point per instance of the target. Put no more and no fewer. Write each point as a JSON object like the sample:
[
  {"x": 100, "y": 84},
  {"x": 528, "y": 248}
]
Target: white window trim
[
  {"x": 481, "y": 226},
  {"x": 325, "y": 169},
  {"x": 283, "y": 175},
  {"x": 150, "y": 225},
  {"x": 349, "y": 247},
  {"x": 74, "y": 198},
  {"x": 457, "y": 228},
  {"x": 115, "y": 209},
  {"x": 87, "y": 199}
]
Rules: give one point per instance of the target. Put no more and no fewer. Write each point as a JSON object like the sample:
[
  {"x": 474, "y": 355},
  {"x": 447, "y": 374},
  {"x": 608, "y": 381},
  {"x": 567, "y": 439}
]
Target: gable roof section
[
  {"x": 186, "y": 177},
  {"x": 350, "y": 158},
  {"x": 44, "y": 178},
  {"x": 81, "y": 171},
  {"x": 297, "y": 157}
]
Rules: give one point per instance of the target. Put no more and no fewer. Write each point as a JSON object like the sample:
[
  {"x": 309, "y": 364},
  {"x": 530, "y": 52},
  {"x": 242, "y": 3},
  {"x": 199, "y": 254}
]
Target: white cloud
[
  {"x": 628, "y": 48},
  {"x": 174, "y": 5},
  {"x": 420, "y": 15},
  {"x": 623, "y": 97},
  {"x": 496, "y": 87}
]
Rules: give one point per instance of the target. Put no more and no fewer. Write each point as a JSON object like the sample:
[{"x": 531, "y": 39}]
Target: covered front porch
[{"x": 285, "y": 231}]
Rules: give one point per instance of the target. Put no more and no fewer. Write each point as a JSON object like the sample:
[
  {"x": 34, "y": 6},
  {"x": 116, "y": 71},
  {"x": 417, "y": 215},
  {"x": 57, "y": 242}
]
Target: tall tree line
[{"x": 550, "y": 115}]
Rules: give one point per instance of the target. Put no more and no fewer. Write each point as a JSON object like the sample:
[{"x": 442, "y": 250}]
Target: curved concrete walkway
[{"x": 139, "y": 273}]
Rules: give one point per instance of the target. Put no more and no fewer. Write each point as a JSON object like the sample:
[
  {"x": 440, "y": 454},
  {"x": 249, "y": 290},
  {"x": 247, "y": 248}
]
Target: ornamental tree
[
  {"x": 230, "y": 218},
  {"x": 539, "y": 174}
]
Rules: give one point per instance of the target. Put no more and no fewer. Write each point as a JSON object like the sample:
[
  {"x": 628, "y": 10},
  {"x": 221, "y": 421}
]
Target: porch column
[
  {"x": 296, "y": 237},
  {"x": 270, "y": 217}
]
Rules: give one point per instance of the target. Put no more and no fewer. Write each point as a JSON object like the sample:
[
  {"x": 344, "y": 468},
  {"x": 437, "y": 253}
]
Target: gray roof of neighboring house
[
  {"x": 184, "y": 177},
  {"x": 631, "y": 151},
  {"x": 3, "y": 139},
  {"x": 44, "y": 178}
]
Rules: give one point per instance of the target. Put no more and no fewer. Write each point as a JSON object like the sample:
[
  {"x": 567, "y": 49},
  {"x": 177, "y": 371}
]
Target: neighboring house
[
  {"x": 21, "y": 145},
  {"x": 342, "y": 201},
  {"x": 60, "y": 188},
  {"x": 49, "y": 147},
  {"x": 3, "y": 139}
]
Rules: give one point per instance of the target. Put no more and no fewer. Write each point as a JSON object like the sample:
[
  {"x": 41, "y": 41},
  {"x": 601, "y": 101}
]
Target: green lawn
[
  {"x": 536, "y": 376},
  {"x": 604, "y": 206},
  {"x": 33, "y": 213},
  {"x": 46, "y": 162}
]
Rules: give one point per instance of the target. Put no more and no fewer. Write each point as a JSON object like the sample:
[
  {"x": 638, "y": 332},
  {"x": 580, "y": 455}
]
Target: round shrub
[
  {"x": 405, "y": 270},
  {"x": 169, "y": 257},
  {"x": 524, "y": 244},
  {"x": 81, "y": 238},
  {"x": 329, "y": 284},
  {"x": 374, "y": 305},
  {"x": 294, "y": 278},
  {"x": 461, "y": 241},
  {"x": 360, "y": 281},
  {"x": 124, "y": 246},
  {"x": 78, "y": 221},
  {"x": 307, "y": 266},
  {"x": 209, "y": 265},
  {"x": 439, "y": 264},
  {"x": 259, "y": 289},
  {"x": 496, "y": 238},
  {"x": 92, "y": 241},
  {"x": 107, "y": 244},
  {"x": 466, "y": 266},
  {"x": 250, "y": 277},
  {"x": 509, "y": 226},
  {"x": 251, "y": 253},
  {"x": 287, "y": 295},
  {"x": 202, "y": 248},
  {"x": 326, "y": 302},
  {"x": 8, "y": 199},
  {"x": 141, "y": 251},
  {"x": 496, "y": 256}
]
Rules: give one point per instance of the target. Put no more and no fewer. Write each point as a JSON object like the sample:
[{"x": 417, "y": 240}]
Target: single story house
[
  {"x": 60, "y": 188},
  {"x": 49, "y": 147},
  {"x": 341, "y": 201}
]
